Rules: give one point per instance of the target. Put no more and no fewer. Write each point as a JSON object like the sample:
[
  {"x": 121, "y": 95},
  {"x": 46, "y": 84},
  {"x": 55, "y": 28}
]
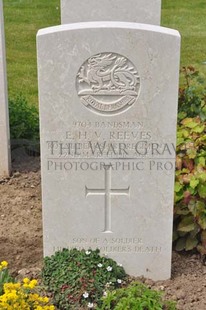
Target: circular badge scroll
[{"x": 108, "y": 83}]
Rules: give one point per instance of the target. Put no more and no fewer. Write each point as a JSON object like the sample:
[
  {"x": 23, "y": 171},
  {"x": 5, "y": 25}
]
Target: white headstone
[
  {"x": 108, "y": 111},
  {"x": 136, "y": 11},
  {"x": 5, "y": 159}
]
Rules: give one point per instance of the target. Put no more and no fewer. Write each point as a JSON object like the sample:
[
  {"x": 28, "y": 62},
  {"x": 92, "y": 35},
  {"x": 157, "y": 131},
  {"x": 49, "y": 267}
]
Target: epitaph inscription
[{"x": 108, "y": 83}]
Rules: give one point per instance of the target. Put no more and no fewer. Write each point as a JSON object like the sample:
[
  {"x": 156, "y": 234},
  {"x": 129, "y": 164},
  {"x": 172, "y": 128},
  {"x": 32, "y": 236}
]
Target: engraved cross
[{"x": 107, "y": 192}]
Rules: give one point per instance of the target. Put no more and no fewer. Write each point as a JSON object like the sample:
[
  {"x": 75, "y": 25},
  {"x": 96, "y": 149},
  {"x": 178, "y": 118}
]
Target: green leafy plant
[
  {"x": 136, "y": 296},
  {"x": 192, "y": 95},
  {"x": 79, "y": 278},
  {"x": 24, "y": 119},
  {"x": 190, "y": 186}
]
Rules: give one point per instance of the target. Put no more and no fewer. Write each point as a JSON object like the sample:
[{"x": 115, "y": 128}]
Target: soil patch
[{"x": 21, "y": 236}]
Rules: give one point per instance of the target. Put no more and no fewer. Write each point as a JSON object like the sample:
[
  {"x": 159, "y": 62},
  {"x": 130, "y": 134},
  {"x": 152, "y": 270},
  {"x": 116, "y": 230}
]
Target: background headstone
[
  {"x": 108, "y": 111},
  {"x": 5, "y": 159},
  {"x": 136, "y": 11}
]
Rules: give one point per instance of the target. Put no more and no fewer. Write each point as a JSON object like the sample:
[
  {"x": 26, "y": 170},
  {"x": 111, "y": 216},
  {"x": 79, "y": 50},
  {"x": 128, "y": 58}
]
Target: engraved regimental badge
[{"x": 108, "y": 83}]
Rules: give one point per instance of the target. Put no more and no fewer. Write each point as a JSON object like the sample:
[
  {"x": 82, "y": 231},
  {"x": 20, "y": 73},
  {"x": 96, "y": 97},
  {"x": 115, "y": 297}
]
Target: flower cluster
[
  {"x": 86, "y": 295},
  {"x": 3, "y": 265},
  {"x": 22, "y": 296},
  {"x": 5, "y": 276},
  {"x": 29, "y": 284}
]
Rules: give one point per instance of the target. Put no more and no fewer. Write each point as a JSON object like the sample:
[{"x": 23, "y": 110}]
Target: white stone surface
[
  {"x": 119, "y": 90},
  {"x": 5, "y": 157},
  {"x": 135, "y": 11}
]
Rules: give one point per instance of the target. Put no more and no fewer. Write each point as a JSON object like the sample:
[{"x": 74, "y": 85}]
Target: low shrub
[
  {"x": 79, "y": 278},
  {"x": 192, "y": 95},
  {"x": 190, "y": 186},
  {"x": 24, "y": 119},
  {"x": 136, "y": 296},
  {"x": 190, "y": 181}
]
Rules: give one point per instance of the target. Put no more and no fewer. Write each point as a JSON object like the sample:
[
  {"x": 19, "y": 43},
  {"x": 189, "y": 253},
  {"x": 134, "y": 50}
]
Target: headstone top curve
[{"x": 105, "y": 25}]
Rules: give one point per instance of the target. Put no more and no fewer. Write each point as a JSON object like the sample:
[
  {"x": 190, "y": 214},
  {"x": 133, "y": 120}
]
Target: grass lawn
[
  {"x": 23, "y": 18},
  {"x": 188, "y": 17}
]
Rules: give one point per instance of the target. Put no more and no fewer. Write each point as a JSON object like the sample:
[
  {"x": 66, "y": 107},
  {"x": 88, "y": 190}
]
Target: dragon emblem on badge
[{"x": 108, "y": 83}]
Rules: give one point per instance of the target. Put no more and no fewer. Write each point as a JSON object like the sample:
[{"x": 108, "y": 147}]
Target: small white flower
[
  {"x": 120, "y": 265},
  {"x": 90, "y": 305},
  {"x": 105, "y": 293},
  {"x": 85, "y": 295},
  {"x": 119, "y": 281},
  {"x": 109, "y": 268},
  {"x": 100, "y": 265},
  {"x": 88, "y": 252}
]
